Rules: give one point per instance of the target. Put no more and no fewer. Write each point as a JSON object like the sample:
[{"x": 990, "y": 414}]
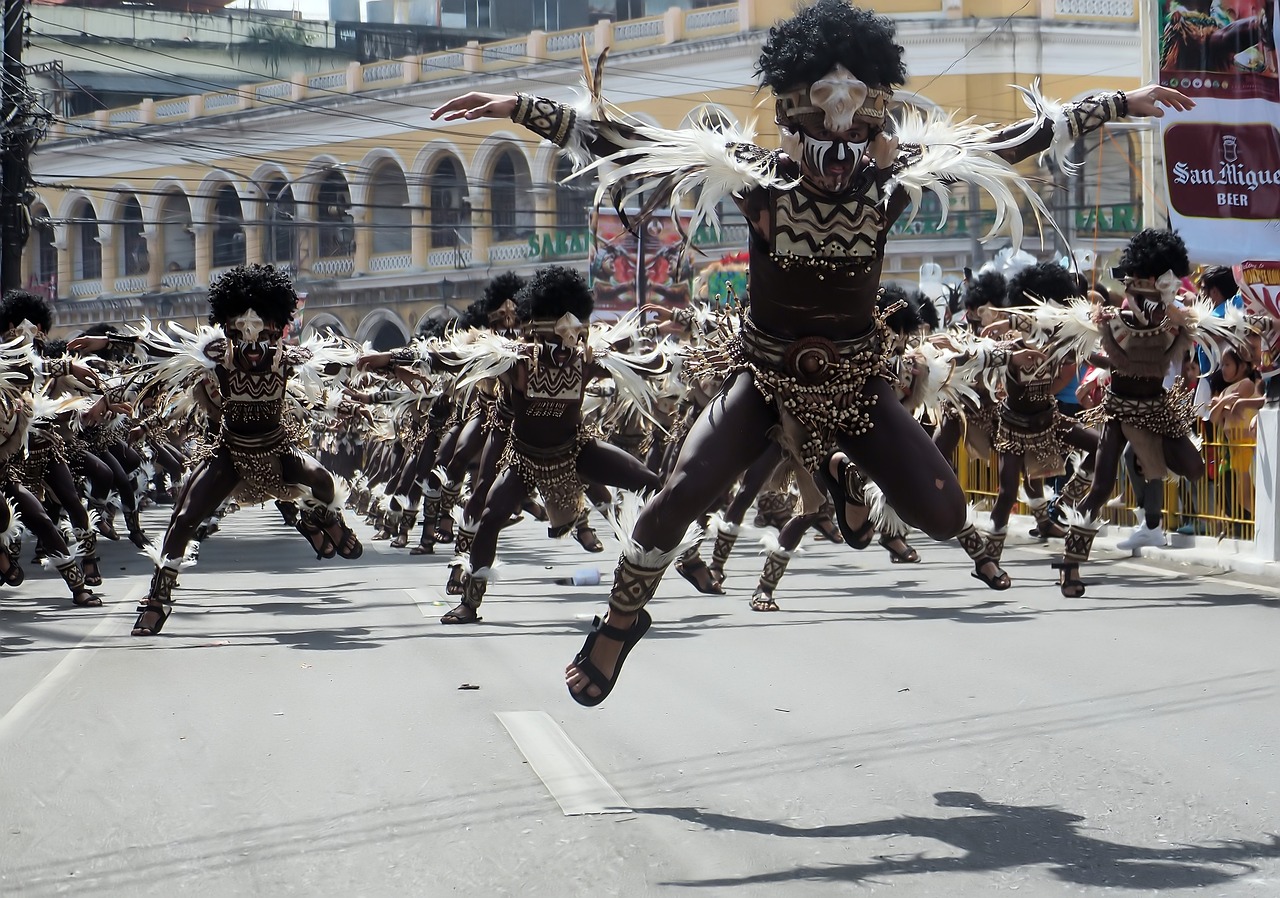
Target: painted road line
[
  {"x": 575, "y": 785},
  {"x": 428, "y": 603},
  {"x": 71, "y": 664}
]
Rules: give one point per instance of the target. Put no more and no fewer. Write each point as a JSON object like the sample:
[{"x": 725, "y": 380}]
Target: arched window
[
  {"x": 389, "y": 197},
  {"x": 86, "y": 252},
  {"x": 386, "y": 337},
  {"x": 177, "y": 235},
  {"x": 132, "y": 245},
  {"x": 228, "y": 228},
  {"x": 44, "y": 267},
  {"x": 448, "y": 194},
  {"x": 335, "y": 225},
  {"x": 511, "y": 198},
  {"x": 574, "y": 198},
  {"x": 282, "y": 224}
]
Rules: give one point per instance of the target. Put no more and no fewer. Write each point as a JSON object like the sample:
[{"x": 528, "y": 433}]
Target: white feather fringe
[
  {"x": 882, "y": 514},
  {"x": 624, "y": 524}
]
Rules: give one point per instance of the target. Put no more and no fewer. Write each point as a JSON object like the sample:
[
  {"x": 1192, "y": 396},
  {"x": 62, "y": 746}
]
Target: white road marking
[
  {"x": 428, "y": 603},
  {"x": 71, "y": 664},
  {"x": 575, "y": 785},
  {"x": 1136, "y": 564}
]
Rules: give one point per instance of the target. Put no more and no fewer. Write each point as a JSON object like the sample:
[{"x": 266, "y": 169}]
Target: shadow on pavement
[{"x": 999, "y": 837}]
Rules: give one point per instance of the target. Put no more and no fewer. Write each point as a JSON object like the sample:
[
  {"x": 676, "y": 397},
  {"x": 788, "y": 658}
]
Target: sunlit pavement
[{"x": 302, "y": 727}]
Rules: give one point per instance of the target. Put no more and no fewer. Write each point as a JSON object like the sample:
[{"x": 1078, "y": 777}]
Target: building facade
[{"x": 387, "y": 218}]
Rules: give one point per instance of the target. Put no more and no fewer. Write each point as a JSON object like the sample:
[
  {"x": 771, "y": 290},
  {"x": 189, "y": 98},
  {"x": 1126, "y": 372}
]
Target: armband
[
  {"x": 546, "y": 118},
  {"x": 56, "y": 367},
  {"x": 1021, "y": 321},
  {"x": 1088, "y": 115},
  {"x": 404, "y": 357}
]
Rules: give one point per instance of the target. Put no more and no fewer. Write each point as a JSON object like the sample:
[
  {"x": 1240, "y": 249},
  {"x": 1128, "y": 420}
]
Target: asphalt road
[{"x": 300, "y": 728}]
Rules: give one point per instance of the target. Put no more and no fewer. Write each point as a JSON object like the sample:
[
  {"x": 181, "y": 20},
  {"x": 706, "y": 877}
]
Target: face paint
[{"x": 821, "y": 155}]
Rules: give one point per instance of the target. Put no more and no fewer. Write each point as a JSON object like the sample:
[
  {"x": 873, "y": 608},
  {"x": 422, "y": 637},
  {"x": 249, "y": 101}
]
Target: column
[
  {"x": 479, "y": 234},
  {"x": 364, "y": 241},
  {"x": 155, "y": 259},
  {"x": 204, "y": 253},
  {"x": 420, "y": 236},
  {"x": 107, "y": 239},
  {"x": 64, "y": 261},
  {"x": 254, "y": 224},
  {"x": 1266, "y": 504}
]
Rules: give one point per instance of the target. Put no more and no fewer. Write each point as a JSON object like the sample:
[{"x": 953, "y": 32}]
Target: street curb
[{"x": 1206, "y": 551}]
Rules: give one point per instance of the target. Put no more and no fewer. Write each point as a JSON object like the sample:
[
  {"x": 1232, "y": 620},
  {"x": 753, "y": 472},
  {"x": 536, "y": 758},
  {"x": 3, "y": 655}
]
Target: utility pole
[{"x": 15, "y": 147}]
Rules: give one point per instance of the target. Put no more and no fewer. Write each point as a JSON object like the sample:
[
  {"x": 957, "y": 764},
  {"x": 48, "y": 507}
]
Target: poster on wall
[
  {"x": 1260, "y": 289},
  {"x": 615, "y": 261},
  {"x": 1222, "y": 158}
]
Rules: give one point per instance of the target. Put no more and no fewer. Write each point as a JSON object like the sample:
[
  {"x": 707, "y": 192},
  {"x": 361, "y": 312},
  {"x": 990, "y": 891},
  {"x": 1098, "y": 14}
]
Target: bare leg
[
  {"x": 212, "y": 481},
  {"x": 899, "y": 456},
  {"x": 504, "y": 498},
  {"x": 731, "y": 433}
]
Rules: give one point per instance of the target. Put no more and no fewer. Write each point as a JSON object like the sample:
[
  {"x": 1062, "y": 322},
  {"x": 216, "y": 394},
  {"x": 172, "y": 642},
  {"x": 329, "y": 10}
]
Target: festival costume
[
  {"x": 1153, "y": 329},
  {"x": 816, "y": 243},
  {"x": 263, "y": 425}
]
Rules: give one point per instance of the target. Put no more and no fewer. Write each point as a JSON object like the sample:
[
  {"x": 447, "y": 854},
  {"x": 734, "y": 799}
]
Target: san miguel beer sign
[
  {"x": 1224, "y": 171},
  {"x": 1222, "y": 158}
]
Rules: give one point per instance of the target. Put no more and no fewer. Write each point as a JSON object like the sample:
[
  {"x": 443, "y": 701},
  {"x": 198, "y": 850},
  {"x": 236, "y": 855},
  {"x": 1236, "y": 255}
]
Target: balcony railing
[{"x": 671, "y": 27}]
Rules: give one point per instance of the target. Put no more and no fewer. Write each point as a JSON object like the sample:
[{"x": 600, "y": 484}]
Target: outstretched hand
[
  {"x": 87, "y": 344},
  {"x": 1152, "y": 99},
  {"x": 476, "y": 105},
  {"x": 884, "y": 150}
]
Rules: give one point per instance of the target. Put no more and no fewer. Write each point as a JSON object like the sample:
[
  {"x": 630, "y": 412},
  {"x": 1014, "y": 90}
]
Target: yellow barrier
[{"x": 1220, "y": 504}]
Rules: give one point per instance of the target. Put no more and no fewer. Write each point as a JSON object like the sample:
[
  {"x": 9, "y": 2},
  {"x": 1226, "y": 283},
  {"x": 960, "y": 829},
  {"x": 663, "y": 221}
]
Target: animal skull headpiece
[{"x": 839, "y": 97}]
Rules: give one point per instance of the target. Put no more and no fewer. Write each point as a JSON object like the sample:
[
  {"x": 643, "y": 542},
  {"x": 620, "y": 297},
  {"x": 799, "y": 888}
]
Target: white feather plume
[
  {"x": 623, "y": 523},
  {"x": 941, "y": 152}
]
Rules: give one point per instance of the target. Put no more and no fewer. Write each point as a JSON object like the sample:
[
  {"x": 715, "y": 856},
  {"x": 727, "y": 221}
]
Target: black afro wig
[
  {"x": 926, "y": 309},
  {"x": 552, "y": 292},
  {"x": 500, "y": 289},
  {"x": 1044, "y": 280},
  {"x": 906, "y": 320},
  {"x": 435, "y": 327},
  {"x": 817, "y": 38},
  {"x": 264, "y": 288},
  {"x": 1154, "y": 251},
  {"x": 19, "y": 305},
  {"x": 474, "y": 315},
  {"x": 988, "y": 289}
]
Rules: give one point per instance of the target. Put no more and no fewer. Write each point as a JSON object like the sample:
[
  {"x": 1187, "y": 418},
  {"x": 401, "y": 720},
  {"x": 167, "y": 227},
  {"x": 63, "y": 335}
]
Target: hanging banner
[
  {"x": 1222, "y": 158},
  {"x": 1260, "y": 289},
  {"x": 615, "y": 263}
]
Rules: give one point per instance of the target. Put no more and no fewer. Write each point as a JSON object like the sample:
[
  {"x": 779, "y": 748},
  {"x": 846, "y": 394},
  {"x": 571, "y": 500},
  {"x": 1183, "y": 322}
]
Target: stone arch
[
  {"x": 384, "y": 193},
  {"x": 503, "y": 167},
  {"x": 448, "y": 200},
  {"x": 83, "y": 239},
  {"x": 424, "y": 162},
  {"x": 382, "y": 326},
  {"x": 441, "y": 312},
  {"x": 175, "y": 226},
  {"x": 203, "y": 198},
  {"x": 42, "y": 246},
  {"x": 323, "y": 322}
]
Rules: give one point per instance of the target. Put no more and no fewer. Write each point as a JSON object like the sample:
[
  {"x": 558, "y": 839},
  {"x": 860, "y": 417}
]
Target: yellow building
[{"x": 387, "y": 217}]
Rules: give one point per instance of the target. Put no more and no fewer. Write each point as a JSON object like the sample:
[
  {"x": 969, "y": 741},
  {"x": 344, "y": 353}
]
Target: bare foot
[{"x": 604, "y": 655}]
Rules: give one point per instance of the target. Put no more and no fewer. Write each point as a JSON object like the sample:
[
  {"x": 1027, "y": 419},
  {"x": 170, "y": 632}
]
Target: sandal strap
[{"x": 609, "y": 631}]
